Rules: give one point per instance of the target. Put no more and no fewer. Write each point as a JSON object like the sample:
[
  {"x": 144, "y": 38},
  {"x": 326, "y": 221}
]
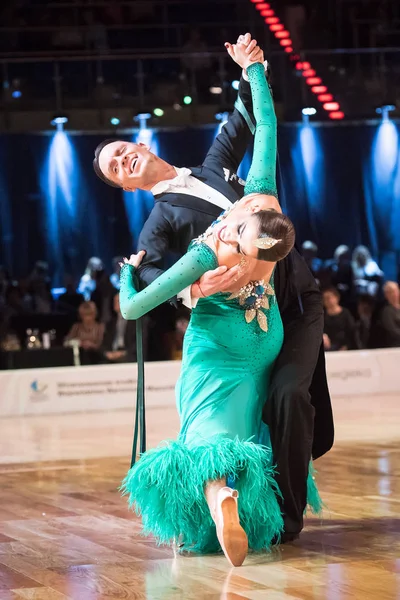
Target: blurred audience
[
  {"x": 119, "y": 343},
  {"x": 368, "y": 277},
  {"x": 365, "y": 311},
  {"x": 104, "y": 336},
  {"x": 103, "y": 295},
  {"x": 70, "y": 300},
  {"x": 88, "y": 331},
  {"x": 114, "y": 277},
  {"x": 179, "y": 334},
  {"x": 13, "y": 306},
  {"x": 340, "y": 273},
  {"x": 39, "y": 289},
  {"x": 309, "y": 250},
  {"x": 4, "y": 284},
  {"x": 389, "y": 316},
  {"x": 87, "y": 284},
  {"x": 339, "y": 325}
]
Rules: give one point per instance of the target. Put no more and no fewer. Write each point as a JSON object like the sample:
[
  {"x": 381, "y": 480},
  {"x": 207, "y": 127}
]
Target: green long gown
[{"x": 223, "y": 385}]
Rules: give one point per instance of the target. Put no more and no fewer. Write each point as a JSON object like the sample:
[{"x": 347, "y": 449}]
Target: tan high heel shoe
[{"x": 230, "y": 533}]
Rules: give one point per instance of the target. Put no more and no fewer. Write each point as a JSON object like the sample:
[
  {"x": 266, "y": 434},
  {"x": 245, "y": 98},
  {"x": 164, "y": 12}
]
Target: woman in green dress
[{"x": 189, "y": 488}]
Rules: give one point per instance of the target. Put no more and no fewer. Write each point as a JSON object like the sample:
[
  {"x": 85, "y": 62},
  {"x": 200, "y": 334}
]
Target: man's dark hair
[
  {"x": 330, "y": 289},
  {"x": 96, "y": 165},
  {"x": 275, "y": 225}
]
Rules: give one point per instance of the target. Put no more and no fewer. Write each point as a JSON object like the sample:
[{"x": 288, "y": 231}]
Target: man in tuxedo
[{"x": 298, "y": 410}]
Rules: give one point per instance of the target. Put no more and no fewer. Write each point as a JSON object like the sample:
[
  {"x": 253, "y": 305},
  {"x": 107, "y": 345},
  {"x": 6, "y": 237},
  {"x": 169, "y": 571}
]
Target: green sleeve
[
  {"x": 134, "y": 304},
  {"x": 262, "y": 175}
]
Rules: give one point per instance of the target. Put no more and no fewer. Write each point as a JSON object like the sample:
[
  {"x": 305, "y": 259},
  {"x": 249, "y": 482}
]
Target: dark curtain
[{"x": 339, "y": 184}]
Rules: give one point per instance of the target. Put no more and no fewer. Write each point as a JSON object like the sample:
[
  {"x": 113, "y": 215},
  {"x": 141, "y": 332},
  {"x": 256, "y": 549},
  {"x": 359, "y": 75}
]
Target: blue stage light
[
  {"x": 16, "y": 94},
  {"x": 385, "y": 110},
  {"x": 115, "y": 121},
  {"x": 235, "y": 84},
  {"x": 61, "y": 120},
  {"x": 62, "y": 191},
  {"x": 385, "y": 152},
  {"x": 309, "y": 111},
  {"x": 144, "y": 116},
  {"x": 310, "y": 169}
]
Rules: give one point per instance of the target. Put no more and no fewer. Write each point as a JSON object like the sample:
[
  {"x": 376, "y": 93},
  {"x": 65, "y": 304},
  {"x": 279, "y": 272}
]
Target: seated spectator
[
  {"x": 365, "y": 311},
  {"x": 339, "y": 325},
  {"x": 309, "y": 251},
  {"x": 119, "y": 344},
  {"x": 389, "y": 317},
  {"x": 88, "y": 331},
  {"x": 368, "y": 277},
  {"x": 340, "y": 274}
]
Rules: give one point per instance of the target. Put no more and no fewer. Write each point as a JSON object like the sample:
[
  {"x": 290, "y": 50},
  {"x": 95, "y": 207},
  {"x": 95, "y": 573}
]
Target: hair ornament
[{"x": 265, "y": 242}]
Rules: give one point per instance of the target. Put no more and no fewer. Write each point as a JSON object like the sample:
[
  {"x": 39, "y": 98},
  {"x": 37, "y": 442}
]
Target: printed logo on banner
[{"x": 38, "y": 391}]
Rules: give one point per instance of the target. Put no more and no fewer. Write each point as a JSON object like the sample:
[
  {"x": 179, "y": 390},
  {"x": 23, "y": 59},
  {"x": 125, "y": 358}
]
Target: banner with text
[{"x": 110, "y": 387}]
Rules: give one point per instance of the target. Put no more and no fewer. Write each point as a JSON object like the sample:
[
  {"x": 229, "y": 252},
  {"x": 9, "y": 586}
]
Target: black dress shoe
[{"x": 285, "y": 538}]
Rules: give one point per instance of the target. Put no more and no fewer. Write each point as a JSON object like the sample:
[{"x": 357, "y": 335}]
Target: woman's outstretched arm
[
  {"x": 134, "y": 304},
  {"x": 262, "y": 175}
]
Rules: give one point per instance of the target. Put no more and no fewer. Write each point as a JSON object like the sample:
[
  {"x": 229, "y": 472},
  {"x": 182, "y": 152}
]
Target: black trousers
[{"x": 289, "y": 412}]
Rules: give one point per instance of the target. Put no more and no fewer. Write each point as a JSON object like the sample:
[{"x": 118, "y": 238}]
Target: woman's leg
[
  {"x": 211, "y": 492},
  {"x": 222, "y": 503}
]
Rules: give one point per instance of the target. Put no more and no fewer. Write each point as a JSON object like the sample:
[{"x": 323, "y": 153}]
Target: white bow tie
[{"x": 182, "y": 180}]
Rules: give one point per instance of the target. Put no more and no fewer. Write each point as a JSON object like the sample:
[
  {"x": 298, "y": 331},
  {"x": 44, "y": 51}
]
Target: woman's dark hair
[
  {"x": 278, "y": 226},
  {"x": 96, "y": 165}
]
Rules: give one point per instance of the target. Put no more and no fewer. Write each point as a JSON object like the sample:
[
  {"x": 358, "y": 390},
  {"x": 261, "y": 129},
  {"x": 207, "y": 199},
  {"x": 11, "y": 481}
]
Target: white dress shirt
[{"x": 186, "y": 183}]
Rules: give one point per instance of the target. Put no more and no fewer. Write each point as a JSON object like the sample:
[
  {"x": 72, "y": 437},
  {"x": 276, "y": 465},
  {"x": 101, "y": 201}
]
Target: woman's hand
[
  {"x": 245, "y": 52},
  {"x": 134, "y": 260}
]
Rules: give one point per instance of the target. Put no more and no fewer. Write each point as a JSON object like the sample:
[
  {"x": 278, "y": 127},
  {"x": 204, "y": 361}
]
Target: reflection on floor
[{"x": 65, "y": 532}]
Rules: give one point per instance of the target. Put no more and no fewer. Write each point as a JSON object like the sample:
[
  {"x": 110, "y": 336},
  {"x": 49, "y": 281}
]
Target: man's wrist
[{"x": 196, "y": 291}]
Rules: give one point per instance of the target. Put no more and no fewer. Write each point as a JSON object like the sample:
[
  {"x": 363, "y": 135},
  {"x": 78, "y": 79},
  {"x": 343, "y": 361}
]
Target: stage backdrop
[{"x": 339, "y": 184}]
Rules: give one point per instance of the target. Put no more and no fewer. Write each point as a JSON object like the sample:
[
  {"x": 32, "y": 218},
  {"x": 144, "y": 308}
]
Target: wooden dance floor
[{"x": 65, "y": 532}]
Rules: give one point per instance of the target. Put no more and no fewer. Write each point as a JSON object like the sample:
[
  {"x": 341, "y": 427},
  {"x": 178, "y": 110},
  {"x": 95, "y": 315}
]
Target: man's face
[
  {"x": 330, "y": 300},
  {"x": 130, "y": 166}
]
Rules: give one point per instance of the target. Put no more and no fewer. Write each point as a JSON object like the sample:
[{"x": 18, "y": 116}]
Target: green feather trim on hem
[
  {"x": 314, "y": 501},
  {"x": 166, "y": 488}
]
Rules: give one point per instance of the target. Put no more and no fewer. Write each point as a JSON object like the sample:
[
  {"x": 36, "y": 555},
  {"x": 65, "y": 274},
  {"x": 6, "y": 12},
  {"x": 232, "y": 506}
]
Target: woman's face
[
  {"x": 88, "y": 317},
  {"x": 234, "y": 239}
]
